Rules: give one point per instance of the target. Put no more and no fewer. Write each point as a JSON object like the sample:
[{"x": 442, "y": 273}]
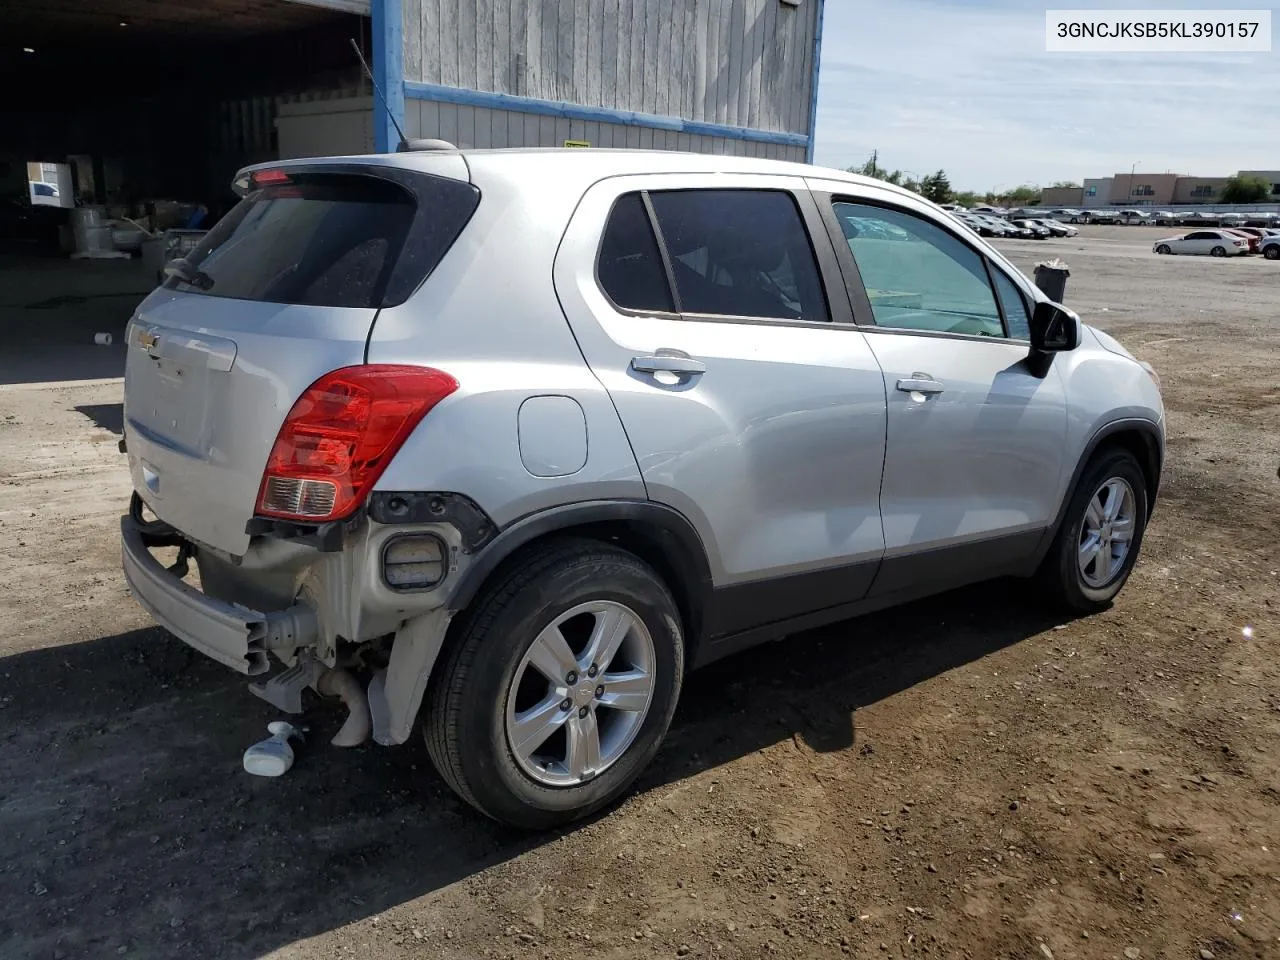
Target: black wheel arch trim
[
  {"x": 670, "y": 530},
  {"x": 1150, "y": 432}
]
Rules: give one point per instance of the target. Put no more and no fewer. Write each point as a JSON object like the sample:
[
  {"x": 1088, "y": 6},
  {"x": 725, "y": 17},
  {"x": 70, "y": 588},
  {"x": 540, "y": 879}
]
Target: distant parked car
[
  {"x": 1138, "y": 217},
  {"x": 1016, "y": 232},
  {"x": 1213, "y": 243},
  {"x": 1102, "y": 216},
  {"x": 1244, "y": 235},
  {"x": 998, "y": 227},
  {"x": 1068, "y": 214},
  {"x": 1270, "y": 245},
  {"x": 1166, "y": 218},
  {"x": 1038, "y": 232},
  {"x": 1055, "y": 228},
  {"x": 977, "y": 225},
  {"x": 1200, "y": 218}
]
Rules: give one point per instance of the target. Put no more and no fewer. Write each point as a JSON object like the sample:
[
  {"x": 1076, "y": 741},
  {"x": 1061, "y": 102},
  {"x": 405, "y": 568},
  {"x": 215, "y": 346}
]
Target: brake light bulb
[{"x": 341, "y": 434}]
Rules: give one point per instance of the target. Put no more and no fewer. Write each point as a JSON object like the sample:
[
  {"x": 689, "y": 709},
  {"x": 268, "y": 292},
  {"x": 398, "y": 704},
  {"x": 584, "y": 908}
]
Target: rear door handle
[
  {"x": 663, "y": 363},
  {"x": 920, "y": 385}
]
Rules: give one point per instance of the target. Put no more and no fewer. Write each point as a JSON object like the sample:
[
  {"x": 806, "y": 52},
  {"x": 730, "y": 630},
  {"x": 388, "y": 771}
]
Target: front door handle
[
  {"x": 665, "y": 363},
  {"x": 920, "y": 385}
]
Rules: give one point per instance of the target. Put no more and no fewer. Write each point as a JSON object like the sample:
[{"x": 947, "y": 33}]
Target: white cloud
[{"x": 970, "y": 88}]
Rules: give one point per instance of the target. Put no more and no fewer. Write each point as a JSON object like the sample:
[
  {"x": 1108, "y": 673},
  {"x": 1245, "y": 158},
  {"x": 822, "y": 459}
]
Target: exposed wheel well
[
  {"x": 683, "y": 572},
  {"x": 1145, "y": 449}
]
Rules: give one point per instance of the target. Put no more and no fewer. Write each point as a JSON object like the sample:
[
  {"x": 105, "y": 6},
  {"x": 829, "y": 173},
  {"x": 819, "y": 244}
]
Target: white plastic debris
[
  {"x": 102, "y": 339},
  {"x": 273, "y": 756}
]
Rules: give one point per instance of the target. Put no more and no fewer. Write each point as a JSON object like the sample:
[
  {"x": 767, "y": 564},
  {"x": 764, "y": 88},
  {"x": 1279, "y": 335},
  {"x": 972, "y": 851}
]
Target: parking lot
[{"x": 964, "y": 777}]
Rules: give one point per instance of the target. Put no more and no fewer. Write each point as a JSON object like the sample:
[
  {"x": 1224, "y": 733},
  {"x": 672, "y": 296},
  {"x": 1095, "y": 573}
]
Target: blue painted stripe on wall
[
  {"x": 813, "y": 90},
  {"x": 576, "y": 111},
  {"x": 388, "y": 73}
]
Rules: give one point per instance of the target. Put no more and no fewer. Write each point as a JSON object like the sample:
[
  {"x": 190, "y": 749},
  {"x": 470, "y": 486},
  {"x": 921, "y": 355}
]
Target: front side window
[
  {"x": 1014, "y": 305},
  {"x": 917, "y": 275}
]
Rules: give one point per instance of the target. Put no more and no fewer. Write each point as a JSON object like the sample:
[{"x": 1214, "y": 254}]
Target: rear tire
[
  {"x": 495, "y": 683},
  {"x": 1085, "y": 567},
  {"x": 1218, "y": 252},
  {"x": 1163, "y": 249}
]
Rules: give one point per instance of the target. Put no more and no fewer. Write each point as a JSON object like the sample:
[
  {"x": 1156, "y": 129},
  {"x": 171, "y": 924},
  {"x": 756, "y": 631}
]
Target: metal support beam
[
  {"x": 360, "y": 7},
  {"x": 578, "y": 111},
  {"x": 813, "y": 93},
  {"x": 388, "y": 73}
]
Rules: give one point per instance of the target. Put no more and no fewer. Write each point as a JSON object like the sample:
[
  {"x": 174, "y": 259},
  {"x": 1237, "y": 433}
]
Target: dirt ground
[{"x": 963, "y": 777}]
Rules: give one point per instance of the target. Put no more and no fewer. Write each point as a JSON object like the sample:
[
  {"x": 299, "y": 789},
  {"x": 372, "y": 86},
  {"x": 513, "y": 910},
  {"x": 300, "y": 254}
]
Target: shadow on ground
[
  {"x": 127, "y": 821},
  {"x": 108, "y": 416},
  {"x": 52, "y": 308}
]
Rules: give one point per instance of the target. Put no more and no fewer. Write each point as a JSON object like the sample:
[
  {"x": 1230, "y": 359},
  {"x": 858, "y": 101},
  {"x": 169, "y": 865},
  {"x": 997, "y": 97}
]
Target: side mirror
[{"x": 1054, "y": 328}]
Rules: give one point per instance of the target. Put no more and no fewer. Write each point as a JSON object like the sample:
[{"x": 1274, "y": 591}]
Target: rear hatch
[{"x": 284, "y": 289}]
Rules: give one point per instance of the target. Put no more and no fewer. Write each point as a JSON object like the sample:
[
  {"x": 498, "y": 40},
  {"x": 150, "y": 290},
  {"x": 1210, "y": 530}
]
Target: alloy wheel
[
  {"x": 580, "y": 694},
  {"x": 1107, "y": 532}
]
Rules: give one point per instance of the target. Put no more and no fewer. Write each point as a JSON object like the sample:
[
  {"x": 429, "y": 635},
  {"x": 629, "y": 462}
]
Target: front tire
[
  {"x": 560, "y": 687},
  {"x": 1098, "y": 544},
  {"x": 1163, "y": 249}
]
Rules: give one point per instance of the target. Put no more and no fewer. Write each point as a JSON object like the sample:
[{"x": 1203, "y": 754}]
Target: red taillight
[
  {"x": 341, "y": 434},
  {"x": 264, "y": 177},
  {"x": 1238, "y": 243}
]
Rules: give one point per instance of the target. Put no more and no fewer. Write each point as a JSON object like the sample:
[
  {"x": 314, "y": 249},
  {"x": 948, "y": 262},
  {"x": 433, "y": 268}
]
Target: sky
[{"x": 967, "y": 86}]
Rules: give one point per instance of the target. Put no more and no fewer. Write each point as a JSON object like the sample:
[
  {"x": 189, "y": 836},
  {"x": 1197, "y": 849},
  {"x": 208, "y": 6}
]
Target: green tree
[
  {"x": 1065, "y": 185},
  {"x": 872, "y": 168},
  {"x": 1246, "y": 190},
  {"x": 936, "y": 187},
  {"x": 1026, "y": 195},
  {"x": 967, "y": 198}
]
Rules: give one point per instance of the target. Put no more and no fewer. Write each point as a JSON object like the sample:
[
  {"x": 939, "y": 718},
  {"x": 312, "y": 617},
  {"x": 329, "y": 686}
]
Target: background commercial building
[{"x": 1137, "y": 189}]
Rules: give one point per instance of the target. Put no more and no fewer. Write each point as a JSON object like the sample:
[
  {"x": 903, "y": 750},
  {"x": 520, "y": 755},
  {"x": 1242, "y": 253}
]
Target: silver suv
[{"x": 516, "y": 438}]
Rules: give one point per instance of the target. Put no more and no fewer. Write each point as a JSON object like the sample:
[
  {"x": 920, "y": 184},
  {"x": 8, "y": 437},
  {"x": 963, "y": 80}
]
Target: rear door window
[
  {"x": 326, "y": 239},
  {"x": 740, "y": 253}
]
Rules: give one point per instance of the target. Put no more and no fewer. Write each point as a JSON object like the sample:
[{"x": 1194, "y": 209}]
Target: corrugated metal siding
[
  {"x": 746, "y": 63},
  {"x": 479, "y": 127}
]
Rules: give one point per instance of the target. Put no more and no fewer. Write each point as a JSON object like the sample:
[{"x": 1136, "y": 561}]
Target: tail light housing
[{"x": 340, "y": 435}]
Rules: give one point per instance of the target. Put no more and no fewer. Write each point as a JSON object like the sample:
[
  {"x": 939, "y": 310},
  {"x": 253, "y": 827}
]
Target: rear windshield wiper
[{"x": 184, "y": 270}]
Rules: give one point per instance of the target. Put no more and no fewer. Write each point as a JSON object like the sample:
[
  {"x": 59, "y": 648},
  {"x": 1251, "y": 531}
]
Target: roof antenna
[{"x": 406, "y": 145}]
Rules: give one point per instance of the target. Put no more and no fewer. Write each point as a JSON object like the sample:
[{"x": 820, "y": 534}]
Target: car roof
[
  {"x": 580, "y": 167},
  {"x": 597, "y": 163}
]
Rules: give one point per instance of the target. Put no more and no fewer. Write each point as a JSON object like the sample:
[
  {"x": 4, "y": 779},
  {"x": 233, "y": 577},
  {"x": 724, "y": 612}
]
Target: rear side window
[
  {"x": 740, "y": 253},
  {"x": 733, "y": 253},
  {"x": 630, "y": 266},
  {"x": 325, "y": 239}
]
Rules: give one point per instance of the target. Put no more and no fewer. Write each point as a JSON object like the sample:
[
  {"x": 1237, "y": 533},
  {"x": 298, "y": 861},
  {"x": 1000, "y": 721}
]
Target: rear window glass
[{"x": 323, "y": 239}]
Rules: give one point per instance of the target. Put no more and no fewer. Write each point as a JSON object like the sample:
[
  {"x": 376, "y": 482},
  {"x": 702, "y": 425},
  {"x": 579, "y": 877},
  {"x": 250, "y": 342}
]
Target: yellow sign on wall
[{"x": 577, "y": 143}]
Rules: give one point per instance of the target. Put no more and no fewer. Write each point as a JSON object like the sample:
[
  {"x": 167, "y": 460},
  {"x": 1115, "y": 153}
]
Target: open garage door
[
  {"x": 163, "y": 101},
  {"x": 125, "y": 121}
]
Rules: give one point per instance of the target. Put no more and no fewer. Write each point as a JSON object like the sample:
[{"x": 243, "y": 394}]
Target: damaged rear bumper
[{"x": 229, "y": 633}]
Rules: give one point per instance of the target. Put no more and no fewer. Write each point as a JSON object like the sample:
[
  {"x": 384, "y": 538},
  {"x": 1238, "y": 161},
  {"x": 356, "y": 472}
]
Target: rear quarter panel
[{"x": 488, "y": 315}]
